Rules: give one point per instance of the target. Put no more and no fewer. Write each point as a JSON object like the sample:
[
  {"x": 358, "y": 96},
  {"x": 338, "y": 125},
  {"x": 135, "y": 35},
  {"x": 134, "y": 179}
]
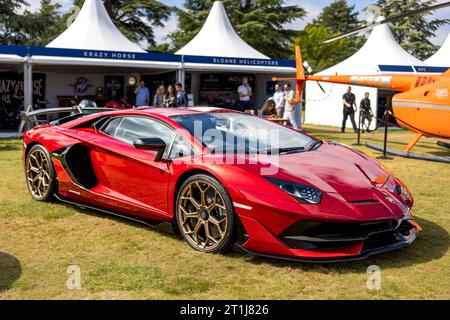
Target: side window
[
  {"x": 180, "y": 148},
  {"x": 110, "y": 127},
  {"x": 131, "y": 128}
]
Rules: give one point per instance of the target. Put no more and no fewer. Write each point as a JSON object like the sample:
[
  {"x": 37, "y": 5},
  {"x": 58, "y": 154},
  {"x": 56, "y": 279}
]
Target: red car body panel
[{"x": 356, "y": 189}]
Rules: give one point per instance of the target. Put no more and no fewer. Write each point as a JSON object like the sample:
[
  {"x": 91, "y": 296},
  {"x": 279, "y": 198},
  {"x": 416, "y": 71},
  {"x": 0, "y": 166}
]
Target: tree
[
  {"x": 261, "y": 23},
  {"x": 136, "y": 18},
  {"x": 334, "y": 19},
  {"x": 319, "y": 55},
  {"x": 43, "y": 26},
  {"x": 11, "y": 22},
  {"x": 413, "y": 32}
]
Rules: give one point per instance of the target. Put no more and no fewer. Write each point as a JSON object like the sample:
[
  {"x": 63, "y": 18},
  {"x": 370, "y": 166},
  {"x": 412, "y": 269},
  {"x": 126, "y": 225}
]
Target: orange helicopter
[{"x": 422, "y": 104}]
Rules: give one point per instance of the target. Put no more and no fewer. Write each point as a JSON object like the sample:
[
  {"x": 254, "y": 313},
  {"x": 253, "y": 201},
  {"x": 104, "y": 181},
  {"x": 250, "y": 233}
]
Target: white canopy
[
  {"x": 381, "y": 48},
  {"x": 442, "y": 57},
  {"x": 218, "y": 38},
  {"x": 94, "y": 30}
]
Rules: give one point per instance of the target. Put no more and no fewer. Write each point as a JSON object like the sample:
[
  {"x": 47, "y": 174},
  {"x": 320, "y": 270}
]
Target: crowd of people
[
  {"x": 282, "y": 105},
  {"x": 170, "y": 97}
]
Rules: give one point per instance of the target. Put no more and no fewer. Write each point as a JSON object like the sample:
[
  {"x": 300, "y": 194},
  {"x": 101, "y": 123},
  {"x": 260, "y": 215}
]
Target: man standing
[
  {"x": 349, "y": 103},
  {"x": 278, "y": 98},
  {"x": 245, "y": 93},
  {"x": 366, "y": 112},
  {"x": 290, "y": 105},
  {"x": 142, "y": 95},
  {"x": 182, "y": 100}
]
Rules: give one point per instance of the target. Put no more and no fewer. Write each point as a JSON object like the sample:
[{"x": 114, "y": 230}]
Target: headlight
[{"x": 304, "y": 194}]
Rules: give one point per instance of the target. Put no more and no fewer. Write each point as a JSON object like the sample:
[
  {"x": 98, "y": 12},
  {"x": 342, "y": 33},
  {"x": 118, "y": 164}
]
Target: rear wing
[{"x": 30, "y": 117}]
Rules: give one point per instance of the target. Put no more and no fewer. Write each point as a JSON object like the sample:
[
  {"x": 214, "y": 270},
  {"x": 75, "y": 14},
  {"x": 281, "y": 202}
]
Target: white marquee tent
[
  {"x": 92, "y": 47},
  {"x": 442, "y": 57},
  {"x": 218, "y": 38},
  {"x": 381, "y": 53},
  {"x": 94, "y": 30}
]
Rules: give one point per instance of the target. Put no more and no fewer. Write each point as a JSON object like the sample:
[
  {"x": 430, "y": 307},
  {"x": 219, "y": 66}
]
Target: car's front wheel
[
  {"x": 204, "y": 214},
  {"x": 40, "y": 174}
]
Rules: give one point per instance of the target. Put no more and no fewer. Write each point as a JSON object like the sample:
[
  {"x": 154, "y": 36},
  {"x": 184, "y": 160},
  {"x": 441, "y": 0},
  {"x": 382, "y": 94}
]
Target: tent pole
[{"x": 28, "y": 84}]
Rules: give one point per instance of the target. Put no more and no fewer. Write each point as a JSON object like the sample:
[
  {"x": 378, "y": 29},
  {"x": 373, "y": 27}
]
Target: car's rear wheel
[
  {"x": 205, "y": 214},
  {"x": 40, "y": 174}
]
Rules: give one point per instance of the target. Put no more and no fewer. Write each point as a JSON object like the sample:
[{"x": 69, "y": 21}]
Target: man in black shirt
[
  {"x": 349, "y": 102},
  {"x": 366, "y": 112}
]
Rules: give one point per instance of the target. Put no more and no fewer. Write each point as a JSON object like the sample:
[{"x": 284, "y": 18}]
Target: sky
[{"x": 312, "y": 7}]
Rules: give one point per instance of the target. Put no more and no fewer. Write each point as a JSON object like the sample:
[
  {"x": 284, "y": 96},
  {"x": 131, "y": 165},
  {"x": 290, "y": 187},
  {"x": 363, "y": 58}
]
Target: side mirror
[{"x": 151, "y": 144}]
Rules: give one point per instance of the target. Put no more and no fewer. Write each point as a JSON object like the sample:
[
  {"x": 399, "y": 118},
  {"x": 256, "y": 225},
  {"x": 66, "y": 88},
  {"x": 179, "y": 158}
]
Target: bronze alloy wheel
[
  {"x": 39, "y": 174},
  {"x": 204, "y": 214}
]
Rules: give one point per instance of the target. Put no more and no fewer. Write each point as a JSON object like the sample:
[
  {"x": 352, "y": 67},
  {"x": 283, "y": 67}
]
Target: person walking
[
  {"x": 170, "y": 99},
  {"x": 158, "y": 99},
  {"x": 348, "y": 100},
  {"x": 290, "y": 106},
  {"x": 278, "y": 98},
  {"x": 181, "y": 96},
  {"x": 366, "y": 112},
  {"x": 245, "y": 93},
  {"x": 142, "y": 95}
]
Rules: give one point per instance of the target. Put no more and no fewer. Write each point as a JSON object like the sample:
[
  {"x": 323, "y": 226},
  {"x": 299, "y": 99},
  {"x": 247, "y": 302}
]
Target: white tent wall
[{"x": 327, "y": 108}]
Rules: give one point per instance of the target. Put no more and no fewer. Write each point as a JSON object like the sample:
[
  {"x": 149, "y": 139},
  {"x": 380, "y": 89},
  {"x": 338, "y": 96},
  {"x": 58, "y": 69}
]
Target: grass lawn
[{"x": 123, "y": 260}]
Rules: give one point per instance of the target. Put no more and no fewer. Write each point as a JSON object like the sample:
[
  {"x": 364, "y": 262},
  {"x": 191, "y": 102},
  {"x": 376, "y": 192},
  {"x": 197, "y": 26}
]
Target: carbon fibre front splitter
[{"x": 404, "y": 241}]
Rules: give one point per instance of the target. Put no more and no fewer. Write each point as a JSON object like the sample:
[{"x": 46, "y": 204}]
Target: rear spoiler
[{"x": 29, "y": 118}]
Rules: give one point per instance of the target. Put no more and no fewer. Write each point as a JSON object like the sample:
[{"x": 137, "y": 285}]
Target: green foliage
[
  {"x": 414, "y": 32},
  {"x": 43, "y": 26},
  {"x": 321, "y": 56},
  {"x": 333, "y": 20},
  {"x": 260, "y": 23},
  {"x": 136, "y": 18},
  {"x": 11, "y": 23}
]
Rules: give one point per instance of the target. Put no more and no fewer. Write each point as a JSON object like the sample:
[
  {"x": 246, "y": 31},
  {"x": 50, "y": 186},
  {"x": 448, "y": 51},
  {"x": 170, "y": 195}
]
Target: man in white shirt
[
  {"x": 245, "y": 93},
  {"x": 278, "y": 98},
  {"x": 290, "y": 105}
]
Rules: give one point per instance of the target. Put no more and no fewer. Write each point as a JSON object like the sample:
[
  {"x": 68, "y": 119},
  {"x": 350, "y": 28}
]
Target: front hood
[{"x": 332, "y": 168}]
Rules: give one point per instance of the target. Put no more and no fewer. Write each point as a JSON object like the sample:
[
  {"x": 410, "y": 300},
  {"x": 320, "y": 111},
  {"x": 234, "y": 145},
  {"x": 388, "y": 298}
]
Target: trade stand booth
[{"x": 93, "y": 60}]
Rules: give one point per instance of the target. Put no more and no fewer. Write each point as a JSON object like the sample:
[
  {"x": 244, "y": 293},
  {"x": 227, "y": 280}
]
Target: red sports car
[{"x": 223, "y": 178}]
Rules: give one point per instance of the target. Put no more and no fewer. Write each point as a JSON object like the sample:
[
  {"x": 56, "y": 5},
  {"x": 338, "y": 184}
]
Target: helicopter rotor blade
[{"x": 387, "y": 20}]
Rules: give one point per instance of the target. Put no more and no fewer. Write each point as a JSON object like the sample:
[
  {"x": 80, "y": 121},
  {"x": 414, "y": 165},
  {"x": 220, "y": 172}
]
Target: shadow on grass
[
  {"x": 10, "y": 271},
  {"x": 118, "y": 219},
  {"x": 432, "y": 244}
]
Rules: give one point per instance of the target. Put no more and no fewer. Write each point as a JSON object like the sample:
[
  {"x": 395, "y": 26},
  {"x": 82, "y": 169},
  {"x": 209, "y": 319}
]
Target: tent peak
[
  {"x": 218, "y": 38},
  {"x": 93, "y": 29}
]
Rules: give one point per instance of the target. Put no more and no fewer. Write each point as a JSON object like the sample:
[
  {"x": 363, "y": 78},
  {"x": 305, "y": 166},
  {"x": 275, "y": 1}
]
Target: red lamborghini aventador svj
[{"x": 222, "y": 179}]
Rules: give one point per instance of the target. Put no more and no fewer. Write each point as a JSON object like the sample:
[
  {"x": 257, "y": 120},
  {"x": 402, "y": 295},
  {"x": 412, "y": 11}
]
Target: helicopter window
[
  {"x": 423, "y": 81},
  {"x": 418, "y": 82}
]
